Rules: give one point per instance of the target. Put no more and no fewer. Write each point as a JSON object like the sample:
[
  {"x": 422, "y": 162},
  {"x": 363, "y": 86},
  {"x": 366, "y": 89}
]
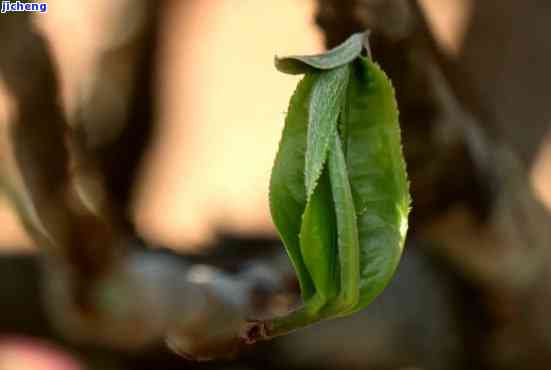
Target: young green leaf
[
  {"x": 347, "y": 230},
  {"x": 377, "y": 173},
  {"x": 325, "y": 103},
  {"x": 287, "y": 191},
  {"x": 318, "y": 241},
  {"x": 336, "y": 57}
]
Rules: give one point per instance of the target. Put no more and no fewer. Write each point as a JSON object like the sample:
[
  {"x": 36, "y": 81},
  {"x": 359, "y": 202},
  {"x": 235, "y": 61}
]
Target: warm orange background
[{"x": 222, "y": 106}]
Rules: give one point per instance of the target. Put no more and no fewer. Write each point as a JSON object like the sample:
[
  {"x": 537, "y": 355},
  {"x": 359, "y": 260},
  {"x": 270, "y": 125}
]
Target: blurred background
[{"x": 183, "y": 109}]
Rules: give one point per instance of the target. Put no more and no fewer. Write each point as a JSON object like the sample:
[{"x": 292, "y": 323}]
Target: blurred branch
[
  {"x": 487, "y": 221},
  {"x": 99, "y": 285},
  {"x": 39, "y": 136},
  {"x": 19, "y": 64},
  {"x": 114, "y": 120}
]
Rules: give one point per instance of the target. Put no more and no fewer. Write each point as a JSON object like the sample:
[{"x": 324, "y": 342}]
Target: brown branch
[
  {"x": 114, "y": 121},
  {"x": 69, "y": 232},
  {"x": 25, "y": 66}
]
